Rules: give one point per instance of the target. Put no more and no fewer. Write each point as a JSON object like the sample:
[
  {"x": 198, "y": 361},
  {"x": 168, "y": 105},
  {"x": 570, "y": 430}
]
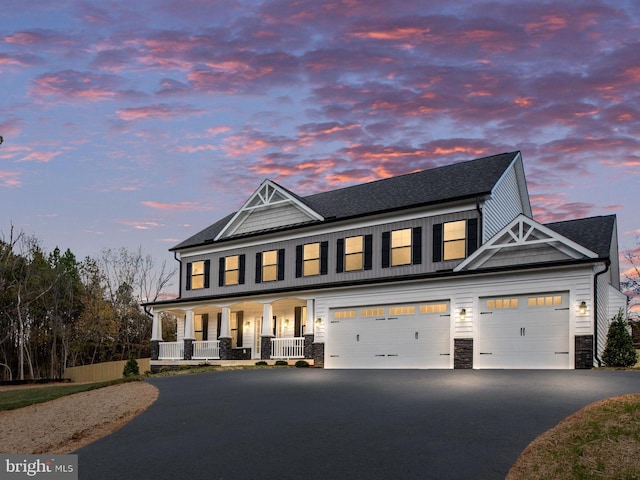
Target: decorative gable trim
[
  {"x": 521, "y": 233},
  {"x": 270, "y": 196}
]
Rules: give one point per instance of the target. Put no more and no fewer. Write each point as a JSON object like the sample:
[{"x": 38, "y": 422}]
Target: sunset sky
[{"x": 139, "y": 123}]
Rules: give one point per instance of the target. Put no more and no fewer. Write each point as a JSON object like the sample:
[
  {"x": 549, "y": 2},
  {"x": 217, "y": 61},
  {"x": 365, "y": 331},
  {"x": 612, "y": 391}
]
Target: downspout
[
  {"x": 175, "y": 257},
  {"x": 595, "y": 311},
  {"x": 480, "y": 218}
]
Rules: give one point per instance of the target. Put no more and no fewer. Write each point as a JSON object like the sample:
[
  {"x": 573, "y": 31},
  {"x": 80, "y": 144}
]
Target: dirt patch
[{"x": 68, "y": 423}]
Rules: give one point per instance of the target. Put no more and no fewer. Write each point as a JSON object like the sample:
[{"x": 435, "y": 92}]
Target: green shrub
[
  {"x": 281, "y": 363},
  {"x": 261, "y": 363},
  {"x": 619, "y": 351},
  {"x": 131, "y": 368},
  {"x": 302, "y": 364}
]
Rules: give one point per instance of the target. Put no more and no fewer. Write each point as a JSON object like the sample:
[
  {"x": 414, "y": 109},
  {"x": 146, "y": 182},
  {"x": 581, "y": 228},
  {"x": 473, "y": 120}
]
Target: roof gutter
[{"x": 595, "y": 311}]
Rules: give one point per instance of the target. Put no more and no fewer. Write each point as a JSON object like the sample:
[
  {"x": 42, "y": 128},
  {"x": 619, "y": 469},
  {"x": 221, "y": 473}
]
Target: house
[{"x": 442, "y": 268}]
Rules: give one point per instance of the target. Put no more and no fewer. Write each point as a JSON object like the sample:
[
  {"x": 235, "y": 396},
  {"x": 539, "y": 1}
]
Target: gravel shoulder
[{"x": 68, "y": 423}]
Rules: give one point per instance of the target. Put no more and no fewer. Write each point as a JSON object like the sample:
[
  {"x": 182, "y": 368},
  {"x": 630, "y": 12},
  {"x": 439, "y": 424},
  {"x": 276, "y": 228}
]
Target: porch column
[
  {"x": 225, "y": 334},
  {"x": 309, "y": 329},
  {"x": 310, "y": 320},
  {"x": 156, "y": 335},
  {"x": 267, "y": 331},
  {"x": 189, "y": 334}
]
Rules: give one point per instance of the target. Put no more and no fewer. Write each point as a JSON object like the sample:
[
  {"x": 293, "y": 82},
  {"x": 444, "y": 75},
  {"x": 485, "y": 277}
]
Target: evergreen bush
[
  {"x": 619, "y": 350},
  {"x": 302, "y": 364},
  {"x": 131, "y": 368},
  {"x": 261, "y": 363},
  {"x": 281, "y": 363}
]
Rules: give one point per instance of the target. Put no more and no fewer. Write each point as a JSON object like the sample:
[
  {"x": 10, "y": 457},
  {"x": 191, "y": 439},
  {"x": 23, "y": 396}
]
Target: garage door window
[
  {"x": 545, "y": 301},
  {"x": 372, "y": 312},
  {"x": 498, "y": 303},
  {"x": 345, "y": 314},
  {"x": 404, "y": 310},
  {"x": 433, "y": 308}
]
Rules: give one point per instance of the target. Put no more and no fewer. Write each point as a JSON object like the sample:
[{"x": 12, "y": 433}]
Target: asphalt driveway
[{"x": 344, "y": 424}]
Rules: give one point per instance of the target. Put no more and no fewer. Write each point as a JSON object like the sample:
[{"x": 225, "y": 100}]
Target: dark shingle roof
[
  {"x": 594, "y": 233},
  {"x": 437, "y": 185}
]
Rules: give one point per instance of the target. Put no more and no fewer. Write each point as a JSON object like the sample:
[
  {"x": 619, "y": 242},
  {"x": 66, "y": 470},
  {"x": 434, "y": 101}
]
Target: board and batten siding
[
  {"x": 290, "y": 280},
  {"x": 603, "y": 311},
  {"x": 504, "y": 205}
]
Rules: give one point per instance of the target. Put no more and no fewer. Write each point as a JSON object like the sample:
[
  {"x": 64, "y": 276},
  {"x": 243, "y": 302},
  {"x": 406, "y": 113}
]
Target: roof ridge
[{"x": 412, "y": 173}]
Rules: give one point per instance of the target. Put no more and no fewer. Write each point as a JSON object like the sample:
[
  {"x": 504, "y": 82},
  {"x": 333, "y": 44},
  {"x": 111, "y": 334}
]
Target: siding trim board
[{"x": 377, "y": 281}]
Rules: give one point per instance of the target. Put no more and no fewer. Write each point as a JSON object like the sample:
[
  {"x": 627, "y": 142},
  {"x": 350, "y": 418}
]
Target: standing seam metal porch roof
[{"x": 437, "y": 185}]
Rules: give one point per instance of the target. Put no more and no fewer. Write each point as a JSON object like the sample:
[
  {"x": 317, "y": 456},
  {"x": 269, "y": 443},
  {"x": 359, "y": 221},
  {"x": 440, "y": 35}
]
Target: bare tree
[{"x": 131, "y": 278}]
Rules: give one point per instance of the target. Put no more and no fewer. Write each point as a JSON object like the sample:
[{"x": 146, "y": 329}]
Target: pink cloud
[
  {"x": 72, "y": 84},
  {"x": 180, "y": 206},
  {"x": 10, "y": 179},
  {"x": 43, "y": 157},
  {"x": 159, "y": 111},
  {"x": 140, "y": 225}
]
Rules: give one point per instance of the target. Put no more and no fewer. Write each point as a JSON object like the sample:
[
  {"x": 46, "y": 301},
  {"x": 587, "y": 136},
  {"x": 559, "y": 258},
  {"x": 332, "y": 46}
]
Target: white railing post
[
  {"x": 287, "y": 347},
  {"x": 206, "y": 350}
]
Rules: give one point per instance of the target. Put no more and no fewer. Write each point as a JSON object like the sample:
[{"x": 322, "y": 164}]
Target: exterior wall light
[
  {"x": 582, "y": 308},
  {"x": 318, "y": 320},
  {"x": 463, "y": 314}
]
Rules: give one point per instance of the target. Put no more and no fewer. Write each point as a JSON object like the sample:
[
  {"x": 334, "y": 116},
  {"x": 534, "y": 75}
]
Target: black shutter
[
  {"x": 205, "y": 326},
  {"x": 297, "y": 322},
  {"x": 221, "y": 272},
  {"x": 188, "y": 282},
  {"x": 324, "y": 258},
  {"x": 281, "y": 264},
  {"x": 298, "y": 261},
  {"x": 259, "y": 267},
  {"x": 386, "y": 249},
  {"x": 207, "y": 267},
  {"x": 416, "y": 246},
  {"x": 472, "y": 235},
  {"x": 340, "y": 255},
  {"x": 437, "y": 242},
  {"x": 275, "y": 319},
  {"x": 219, "y": 326},
  {"x": 240, "y": 325},
  {"x": 241, "y": 265},
  {"x": 368, "y": 252}
]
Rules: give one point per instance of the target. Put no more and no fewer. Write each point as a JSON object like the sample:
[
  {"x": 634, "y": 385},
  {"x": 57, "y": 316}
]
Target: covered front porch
[{"x": 236, "y": 332}]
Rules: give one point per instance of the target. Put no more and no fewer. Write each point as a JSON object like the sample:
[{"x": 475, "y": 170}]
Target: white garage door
[
  {"x": 389, "y": 336},
  {"x": 527, "y": 331}
]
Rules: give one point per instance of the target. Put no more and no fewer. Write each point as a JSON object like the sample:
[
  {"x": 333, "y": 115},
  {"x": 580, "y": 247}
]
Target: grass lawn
[
  {"x": 23, "y": 397},
  {"x": 601, "y": 441}
]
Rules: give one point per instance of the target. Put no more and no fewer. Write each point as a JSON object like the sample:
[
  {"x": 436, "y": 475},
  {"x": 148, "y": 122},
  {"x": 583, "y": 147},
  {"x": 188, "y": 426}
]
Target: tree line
[{"x": 58, "y": 312}]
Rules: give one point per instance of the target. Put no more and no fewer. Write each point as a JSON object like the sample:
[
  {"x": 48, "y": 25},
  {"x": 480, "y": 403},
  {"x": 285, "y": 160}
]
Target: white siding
[
  {"x": 504, "y": 205},
  {"x": 603, "y": 312}
]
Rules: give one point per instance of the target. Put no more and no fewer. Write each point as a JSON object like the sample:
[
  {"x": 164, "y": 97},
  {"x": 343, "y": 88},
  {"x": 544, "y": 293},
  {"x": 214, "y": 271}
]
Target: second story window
[
  {"x": 231, "y": 270},
  {"x": 455, "y": 240},
  {"x": 354, "y": 253},
  {"x": 197, "y": 275},
  {"x": 270, "y": 266},
  {"x": 311, "y": 259},
  {"x": 402, "y": 247}
]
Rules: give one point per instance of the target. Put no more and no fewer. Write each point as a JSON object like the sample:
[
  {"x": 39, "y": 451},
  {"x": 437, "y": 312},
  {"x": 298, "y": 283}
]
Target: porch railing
[
  {"x": 287, "y": 347},
  {"x": 206, "y": 350},
  {"x": 171, "y": 351}
]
